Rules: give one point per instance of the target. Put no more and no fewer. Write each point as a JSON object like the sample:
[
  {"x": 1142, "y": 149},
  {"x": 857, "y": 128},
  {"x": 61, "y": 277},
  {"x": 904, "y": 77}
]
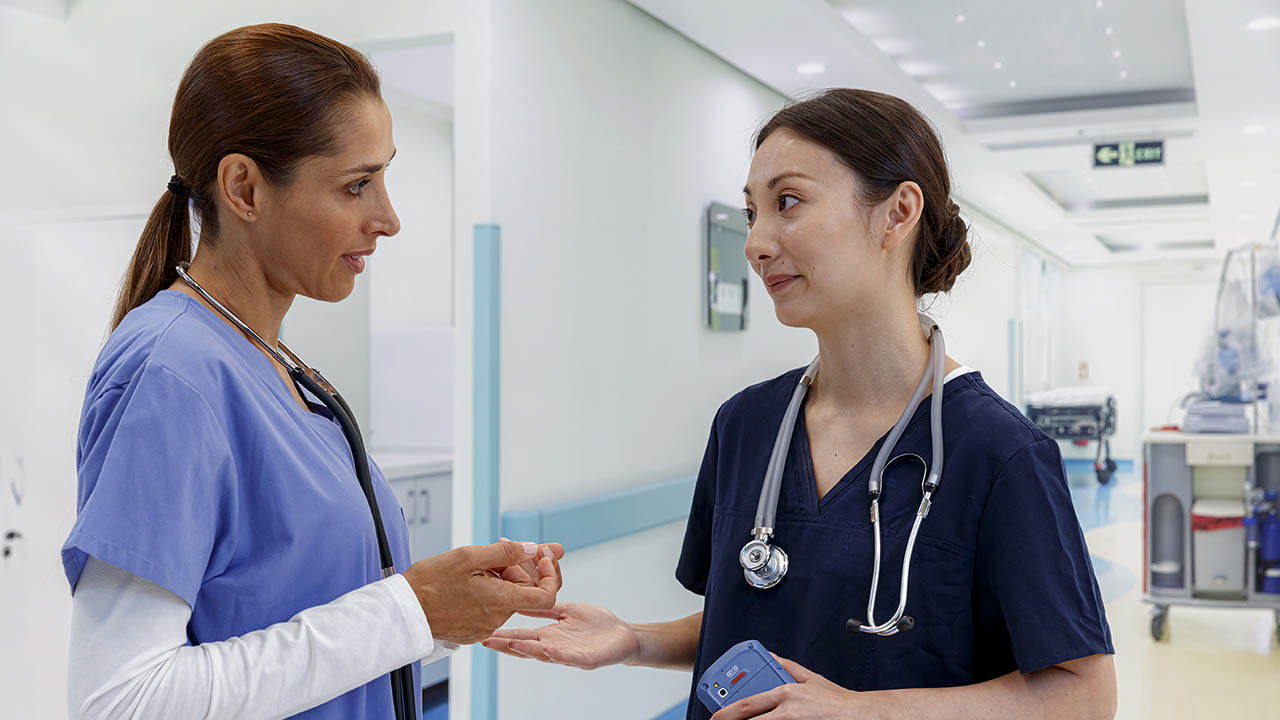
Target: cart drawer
[{"x": 1220, "y": 453}]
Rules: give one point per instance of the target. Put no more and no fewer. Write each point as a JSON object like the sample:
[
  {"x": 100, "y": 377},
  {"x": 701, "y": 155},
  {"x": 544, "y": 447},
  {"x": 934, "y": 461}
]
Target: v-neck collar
[
  {"x": 259, "y": 362},
  {"x": 800, "y": 472}
]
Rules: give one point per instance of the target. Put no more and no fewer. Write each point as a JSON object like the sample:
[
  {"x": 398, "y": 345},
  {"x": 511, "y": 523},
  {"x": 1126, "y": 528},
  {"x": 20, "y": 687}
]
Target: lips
[
  {"x": 775, "y": 283},
  {"x": 355, "y": 260}
]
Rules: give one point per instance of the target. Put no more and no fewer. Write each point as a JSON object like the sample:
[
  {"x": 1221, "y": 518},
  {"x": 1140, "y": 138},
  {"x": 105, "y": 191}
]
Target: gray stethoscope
[
  {"x": 402, "y": 692},
  {"x": 765, "y": 565}
]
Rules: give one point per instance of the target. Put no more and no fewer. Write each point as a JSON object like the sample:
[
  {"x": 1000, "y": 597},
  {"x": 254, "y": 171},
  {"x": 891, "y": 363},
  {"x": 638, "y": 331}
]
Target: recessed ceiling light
[
  {"x": 997, "y": 64},
  {"x": 982, "y": 43},
  {"x": 1254, "y": 129},
  {"x": 1264, "y": 23},
  {"x": 1013, "y": 83},
  {"x": 811, "y": 68},
  {"x": 1248, "y": 183},
  {"x": 959, "y": 18},
  {"x": 1098, "y": 4},
  {"x": 1115, "y": 53},
  {"x": 1110, "y": 30},
  {"x": 1124, "y": 74}
]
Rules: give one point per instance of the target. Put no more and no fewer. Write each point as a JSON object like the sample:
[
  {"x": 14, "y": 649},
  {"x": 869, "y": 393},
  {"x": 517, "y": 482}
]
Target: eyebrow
[
  {"x": 365, "y": 169},
  {"x": 779, "y": 178}
]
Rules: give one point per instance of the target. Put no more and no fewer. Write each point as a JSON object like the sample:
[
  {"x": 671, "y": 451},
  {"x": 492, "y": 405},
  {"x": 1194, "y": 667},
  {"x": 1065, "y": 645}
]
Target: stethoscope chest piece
[{"x": 763, "y": 565}]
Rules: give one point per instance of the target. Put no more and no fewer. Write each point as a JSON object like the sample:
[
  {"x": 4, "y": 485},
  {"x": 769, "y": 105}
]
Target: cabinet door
[
  {"x": 433, "y": 514},
  {"x": 406, "y": 491}
]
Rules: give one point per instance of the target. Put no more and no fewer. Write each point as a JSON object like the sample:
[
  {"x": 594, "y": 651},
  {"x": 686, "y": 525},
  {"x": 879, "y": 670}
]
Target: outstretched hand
[{"x": 583, "y": 636}]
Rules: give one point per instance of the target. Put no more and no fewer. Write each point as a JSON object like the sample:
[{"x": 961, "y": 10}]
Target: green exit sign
[{"x": 1128, "y": 154}]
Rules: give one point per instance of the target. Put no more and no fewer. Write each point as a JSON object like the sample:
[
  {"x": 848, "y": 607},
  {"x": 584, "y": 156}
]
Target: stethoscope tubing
[{"x": 402, "y": 691}]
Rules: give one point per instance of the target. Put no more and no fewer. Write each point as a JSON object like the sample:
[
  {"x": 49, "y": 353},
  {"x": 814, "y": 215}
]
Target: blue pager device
[{"x": 746, "y": 669}]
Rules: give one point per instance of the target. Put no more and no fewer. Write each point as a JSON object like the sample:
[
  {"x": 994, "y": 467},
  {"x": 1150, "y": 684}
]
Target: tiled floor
[{"x": 1212, "y": 662}]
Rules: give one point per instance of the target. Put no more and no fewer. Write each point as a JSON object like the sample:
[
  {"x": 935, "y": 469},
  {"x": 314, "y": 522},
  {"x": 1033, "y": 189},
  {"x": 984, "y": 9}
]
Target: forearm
[
  {"x": 668, "y": 645},
  {"x": 129, "y": 656},
  {"x": 1078, "y": 690}
]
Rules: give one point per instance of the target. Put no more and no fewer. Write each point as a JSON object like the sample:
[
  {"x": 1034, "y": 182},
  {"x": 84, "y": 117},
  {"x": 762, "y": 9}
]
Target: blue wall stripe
[
  {"x": 586, "y": 522},
  {"x": 677, "y": 712},
  {"x": 487, "y": 415},
  {"x": 1085, "y": 465}
]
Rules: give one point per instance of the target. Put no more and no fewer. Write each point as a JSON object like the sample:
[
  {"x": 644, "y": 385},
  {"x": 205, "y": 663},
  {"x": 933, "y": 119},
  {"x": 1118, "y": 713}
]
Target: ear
[
  {"x": 902, "y": 214},
  {"x": 240, "y": 185}
]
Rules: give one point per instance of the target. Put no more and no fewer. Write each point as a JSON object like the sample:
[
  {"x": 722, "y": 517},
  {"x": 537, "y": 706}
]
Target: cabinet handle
[
  {"x": 410, "y": 518},
  {"x": 426, "y": 506}
]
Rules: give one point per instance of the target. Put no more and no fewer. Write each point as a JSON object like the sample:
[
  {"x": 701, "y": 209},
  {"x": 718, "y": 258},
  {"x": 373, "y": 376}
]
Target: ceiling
[{"x": 1022, "y": 90}]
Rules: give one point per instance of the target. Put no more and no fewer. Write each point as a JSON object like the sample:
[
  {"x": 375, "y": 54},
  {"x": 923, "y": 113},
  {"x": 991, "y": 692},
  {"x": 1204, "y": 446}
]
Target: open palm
[{"x": 584, "y": 636}]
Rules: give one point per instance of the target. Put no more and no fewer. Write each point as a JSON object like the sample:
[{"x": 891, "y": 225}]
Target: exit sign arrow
[{"x": 1107, "y": 155}]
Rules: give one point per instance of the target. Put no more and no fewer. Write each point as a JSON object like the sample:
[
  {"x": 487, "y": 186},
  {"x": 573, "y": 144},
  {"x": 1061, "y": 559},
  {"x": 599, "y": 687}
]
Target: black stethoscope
[
  {"x": 764, "y": 564},
  {"x": 402, "y": 691}
]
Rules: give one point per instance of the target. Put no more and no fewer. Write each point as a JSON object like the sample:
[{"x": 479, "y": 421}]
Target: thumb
[
  {"x": 798, "y": 672},
  {"x": 503, "y": 554}
]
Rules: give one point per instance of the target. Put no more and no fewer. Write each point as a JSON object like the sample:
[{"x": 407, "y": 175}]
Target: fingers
[
  {"x": 538, "y": 597},
  {"x": 558, "y": 612},
  {"x": 798, "y": 672},
  {"x": 517, "y": 574},
  {"x": 501, "y": 554},
  {"x": 516, "y": 634},
  {"x": 754, "y": 706}
]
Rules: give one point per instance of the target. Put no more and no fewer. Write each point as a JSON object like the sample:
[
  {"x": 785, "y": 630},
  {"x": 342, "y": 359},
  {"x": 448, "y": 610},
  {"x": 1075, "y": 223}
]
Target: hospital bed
[{"x": 1081, "y": 415}]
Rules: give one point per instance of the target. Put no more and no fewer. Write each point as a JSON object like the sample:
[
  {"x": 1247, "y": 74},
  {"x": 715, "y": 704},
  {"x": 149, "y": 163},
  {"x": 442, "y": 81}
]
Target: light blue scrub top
[{"x": 199, "y": 471}]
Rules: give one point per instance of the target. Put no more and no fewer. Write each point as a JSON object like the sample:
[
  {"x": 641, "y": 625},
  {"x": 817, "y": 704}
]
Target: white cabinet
[{"x": 424, "y": 486}]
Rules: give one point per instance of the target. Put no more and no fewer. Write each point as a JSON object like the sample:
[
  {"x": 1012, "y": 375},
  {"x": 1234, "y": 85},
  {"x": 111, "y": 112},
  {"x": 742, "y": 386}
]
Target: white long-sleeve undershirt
[{"x": 130, "y": 657}]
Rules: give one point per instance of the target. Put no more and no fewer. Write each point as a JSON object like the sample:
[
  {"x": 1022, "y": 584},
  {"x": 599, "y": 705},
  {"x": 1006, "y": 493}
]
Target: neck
[
  {"x": 238, "y": 281},
  {"x": 871, "y": 363}
]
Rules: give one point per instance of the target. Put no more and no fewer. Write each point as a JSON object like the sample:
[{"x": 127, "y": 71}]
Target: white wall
[
  {"x": 611, "y": 134},
  {"x": 1102, "y": 323}
]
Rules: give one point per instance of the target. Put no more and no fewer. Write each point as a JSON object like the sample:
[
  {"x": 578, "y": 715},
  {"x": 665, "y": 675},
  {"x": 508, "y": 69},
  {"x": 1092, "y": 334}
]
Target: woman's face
[
  {"x": 821, "y": 255},
  {"x": 313, "y": 235}
]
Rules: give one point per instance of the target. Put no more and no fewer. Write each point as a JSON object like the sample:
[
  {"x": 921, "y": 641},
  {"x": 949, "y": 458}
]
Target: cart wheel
[
  {"x": 1159, "y": 616},
  {"x": 1111, "y": 466},
  {"x": 1104, "y": 476}
]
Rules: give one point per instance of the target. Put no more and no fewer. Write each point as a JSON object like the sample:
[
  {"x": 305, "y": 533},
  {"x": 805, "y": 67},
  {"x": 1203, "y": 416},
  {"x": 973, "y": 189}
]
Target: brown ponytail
[
  {"x": 272, "y": 92},
  {"x": 165, "y": 242}
]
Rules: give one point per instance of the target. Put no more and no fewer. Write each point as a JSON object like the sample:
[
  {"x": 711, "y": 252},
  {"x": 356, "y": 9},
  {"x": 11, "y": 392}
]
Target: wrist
[{"x": 643, "y": 654}]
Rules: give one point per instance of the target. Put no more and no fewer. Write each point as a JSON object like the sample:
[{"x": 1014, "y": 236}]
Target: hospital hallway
[{"x": 1211, "y": 662}]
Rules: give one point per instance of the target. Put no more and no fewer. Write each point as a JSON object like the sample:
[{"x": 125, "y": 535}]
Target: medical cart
[
  {"x": 1210, "y": 522},
  {"x": 1080, "y": 415}
]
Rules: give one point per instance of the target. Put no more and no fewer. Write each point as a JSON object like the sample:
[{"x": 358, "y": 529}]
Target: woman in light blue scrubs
[
  {"x": 851, "y": 223},
  {"x": 223, "y": 560}
]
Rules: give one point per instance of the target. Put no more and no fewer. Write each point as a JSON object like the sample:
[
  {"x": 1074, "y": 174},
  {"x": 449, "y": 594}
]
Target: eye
[
  {"x": 750, "y": 215},
  {"x": 358, "y": 189},
  {"x": 786, "y": 202}
]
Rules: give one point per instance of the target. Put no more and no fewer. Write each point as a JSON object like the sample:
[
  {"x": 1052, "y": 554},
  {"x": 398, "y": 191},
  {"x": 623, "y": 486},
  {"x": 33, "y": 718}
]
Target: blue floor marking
[{"x": 1100, "y": 505}]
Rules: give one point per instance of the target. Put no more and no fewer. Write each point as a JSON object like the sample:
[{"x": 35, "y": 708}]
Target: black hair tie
[{"x": 179, "y": 188}]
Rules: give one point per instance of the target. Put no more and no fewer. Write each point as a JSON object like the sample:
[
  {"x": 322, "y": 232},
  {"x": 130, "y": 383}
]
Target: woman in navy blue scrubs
[{"x": 851, "y": 223}]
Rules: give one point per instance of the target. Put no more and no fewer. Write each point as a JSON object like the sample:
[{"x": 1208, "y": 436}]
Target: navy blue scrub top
[{"x": 1000, "y": 578}]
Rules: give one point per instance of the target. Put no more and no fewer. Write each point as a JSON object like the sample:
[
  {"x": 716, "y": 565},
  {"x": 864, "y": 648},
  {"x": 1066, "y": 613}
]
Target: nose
[
  {"x": 384, "y": 221},
  {"x": 761, "y": 246}
]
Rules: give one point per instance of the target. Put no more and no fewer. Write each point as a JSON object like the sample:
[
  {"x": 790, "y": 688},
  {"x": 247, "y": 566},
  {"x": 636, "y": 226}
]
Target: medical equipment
[
  {"x": 1208, "y": 500},
  {"x": 1237, "y": 356},
  {"x": 1080, "y": 415},
  {"x": 402, "y": 689},
  {"x": 744, "y": 670},
  {"x": 765, "y": 565}
]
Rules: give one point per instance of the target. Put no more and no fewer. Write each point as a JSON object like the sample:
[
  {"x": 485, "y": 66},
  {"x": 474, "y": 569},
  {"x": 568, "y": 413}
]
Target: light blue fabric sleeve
[{"x": 156, "y": 484}]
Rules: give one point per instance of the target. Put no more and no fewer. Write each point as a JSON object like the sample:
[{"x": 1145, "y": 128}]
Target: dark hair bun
[{"x": 947, "y": 253}]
